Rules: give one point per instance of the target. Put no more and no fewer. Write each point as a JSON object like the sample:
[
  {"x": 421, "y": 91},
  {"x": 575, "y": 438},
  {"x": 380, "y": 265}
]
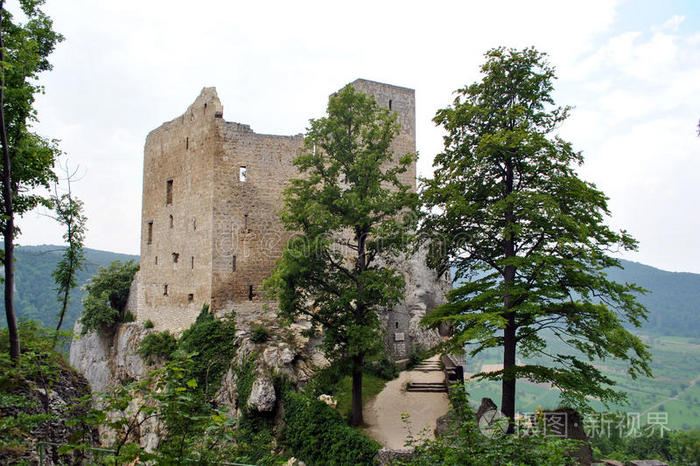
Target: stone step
[{"x": 426, "y": 387}]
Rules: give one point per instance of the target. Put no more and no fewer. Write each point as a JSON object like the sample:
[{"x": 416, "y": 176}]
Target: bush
[
  {"x": 260, "y": 334},
  {"x": 157, "y": 345},
  {"x": 148, "y": 324},
  {"x": 212, "y": 340},
  {"x": 385, "y": 368},
  {"x": 107, "y": 293},
  {"x": 317, "y": 434}
]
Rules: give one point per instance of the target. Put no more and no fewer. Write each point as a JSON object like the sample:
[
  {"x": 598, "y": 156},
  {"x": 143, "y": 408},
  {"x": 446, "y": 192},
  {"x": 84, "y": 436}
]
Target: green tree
[
  {"x": 27, "y": 158},
  {"x": 349, "y": 209},
  {"x": 69, "y": 213},
  {"x": 509, "y": 213},
  {"x": 108, "y": 290}
]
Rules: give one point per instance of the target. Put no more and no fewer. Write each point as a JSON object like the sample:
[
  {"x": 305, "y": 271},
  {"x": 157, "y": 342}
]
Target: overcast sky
[{"x": 631, "y": 70}]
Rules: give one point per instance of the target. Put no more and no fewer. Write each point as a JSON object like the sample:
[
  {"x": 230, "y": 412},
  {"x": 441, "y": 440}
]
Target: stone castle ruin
[{"x": 211, "y": 232}]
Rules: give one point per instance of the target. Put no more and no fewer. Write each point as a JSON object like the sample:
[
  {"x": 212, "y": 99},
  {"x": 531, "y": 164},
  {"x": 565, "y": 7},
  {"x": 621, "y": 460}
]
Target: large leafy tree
[
  {"x": 510, "y": 216},
  {"x": 350, "y": 211},
  {"x": 27, "y": 158}
]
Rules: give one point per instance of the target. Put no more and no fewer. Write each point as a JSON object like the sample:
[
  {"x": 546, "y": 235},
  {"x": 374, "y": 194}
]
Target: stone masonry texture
[{"x": 212, "y": 192}]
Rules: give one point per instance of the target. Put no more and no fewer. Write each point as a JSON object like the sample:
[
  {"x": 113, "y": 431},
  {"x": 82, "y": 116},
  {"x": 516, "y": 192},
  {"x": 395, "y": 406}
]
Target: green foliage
[
  {"x": 212, "y": 341},
  {"x": 245, "y": 376},
  {"x": 159, "y": 345},
  {"x": 196, "y": 433},
  {"x": 69, "y": 213},
  {"x": 27, "y": 48},
  {"x": 148, "y": 324},
  {"x": 679, "y": 448},
  {"x": 509, "y": 213},
  {"x": 260, "y": 334},
  {"x": 317, "y": 434},
  {"x": 35, "y": 297},
  {"x": 463, "y": 444},
  {"x": 384, "y": 368},
  {"x": 348, "y": 209},
  {"x": 685, "y": 448},
  {"x": 107, "y": 293},
  {"x": 25, "y": 416}
]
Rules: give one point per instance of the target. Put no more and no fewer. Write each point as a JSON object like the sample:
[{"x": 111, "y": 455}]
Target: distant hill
[
  {"x": 35, "y": 295},
  {"x": 673, "y": 300}
]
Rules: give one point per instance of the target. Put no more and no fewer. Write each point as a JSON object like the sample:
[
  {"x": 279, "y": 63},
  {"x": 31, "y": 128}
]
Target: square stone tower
[{"x": 212, "y": 191}]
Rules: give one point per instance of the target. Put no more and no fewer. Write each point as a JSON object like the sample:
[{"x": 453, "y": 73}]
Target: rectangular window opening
[
  {"x": 165, "y": 289},
  {"x": 242, "y": 174},
  {"x": 190, "y": 297},
  {"x": 396, "y": 324},
  {"x": 250, "y": 292},
  {"x": 176, "y": 257},
  {"x": 389, "y": 104},
  {"x": 187, "y": 143},
  {"x": 233, "y": 264},
  {"x": 169, "y": 192},
  {"x": 192, "y": 263},
  {"x": 150, "y": 232},
  {"x": 156, "y": 260}
]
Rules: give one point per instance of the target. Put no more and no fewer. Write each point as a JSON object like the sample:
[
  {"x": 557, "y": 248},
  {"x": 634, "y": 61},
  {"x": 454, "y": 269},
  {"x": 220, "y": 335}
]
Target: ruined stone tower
[{"x": 212, "y": 191}]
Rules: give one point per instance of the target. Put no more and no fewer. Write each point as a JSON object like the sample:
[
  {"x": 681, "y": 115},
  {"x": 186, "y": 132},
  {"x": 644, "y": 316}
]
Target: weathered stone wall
[
  {"x": 249, "y": 236},
  {"x": 177, "y": 253},
  {"x": 217, "y": 235},
  {"x": 402, "y": 101}
]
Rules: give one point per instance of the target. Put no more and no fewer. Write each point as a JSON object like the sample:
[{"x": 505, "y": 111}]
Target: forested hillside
[
  {"x": 673, "y": 299},
  {"x": 35, "y": 296}
]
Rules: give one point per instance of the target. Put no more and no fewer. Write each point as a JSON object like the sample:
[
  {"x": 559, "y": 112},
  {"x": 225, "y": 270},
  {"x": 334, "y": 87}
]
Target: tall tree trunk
[
  {"x": 71, "y": 267},
  {"x": 64, "y": 307},
  {"x": 9, "y": 229},
  {"x": 509, "y": 335},
  {"x": 357, "y": 419},
  {"x": 358, "y": 360},
  {"x": 508, "y": 386}
]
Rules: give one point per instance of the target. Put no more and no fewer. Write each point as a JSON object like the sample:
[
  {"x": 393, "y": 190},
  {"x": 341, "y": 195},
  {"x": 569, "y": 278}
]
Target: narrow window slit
[{"x": 169, "y": 192}]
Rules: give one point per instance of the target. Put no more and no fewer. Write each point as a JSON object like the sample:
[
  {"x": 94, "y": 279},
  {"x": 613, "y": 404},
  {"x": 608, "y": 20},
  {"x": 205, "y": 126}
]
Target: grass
[{"x": 371, "y": 386}]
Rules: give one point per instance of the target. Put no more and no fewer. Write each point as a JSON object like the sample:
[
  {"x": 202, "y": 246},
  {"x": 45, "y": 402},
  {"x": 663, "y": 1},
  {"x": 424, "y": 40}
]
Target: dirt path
[
  {"x": 383, "y": 413},
  {"x": 677, "y": 397}
]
